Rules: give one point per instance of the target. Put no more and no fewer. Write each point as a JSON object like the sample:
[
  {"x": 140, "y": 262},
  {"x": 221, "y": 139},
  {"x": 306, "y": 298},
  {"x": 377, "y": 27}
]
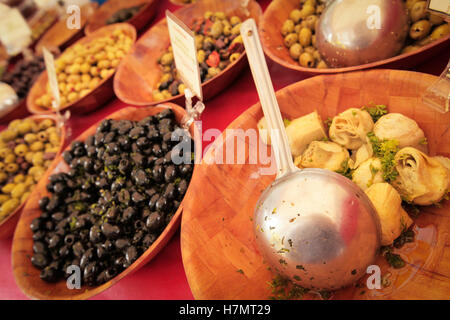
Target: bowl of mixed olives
[
  {"x": 220, "y": 53},
  {"x": 28, "y": 148},
  {"x": 84, "y": 71},
  {"x": 138, "y": 13},
  {"x": 110, "y": 205},
  {"x": 288, "y": 35}
]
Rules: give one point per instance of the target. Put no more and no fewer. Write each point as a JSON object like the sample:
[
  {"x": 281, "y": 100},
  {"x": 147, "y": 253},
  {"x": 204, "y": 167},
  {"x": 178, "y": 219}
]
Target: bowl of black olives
[{"x": 110, "y": 205}]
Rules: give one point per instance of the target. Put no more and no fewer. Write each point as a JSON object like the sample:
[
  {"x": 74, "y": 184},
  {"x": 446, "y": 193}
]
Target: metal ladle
[{"x": 314, "y": 226}]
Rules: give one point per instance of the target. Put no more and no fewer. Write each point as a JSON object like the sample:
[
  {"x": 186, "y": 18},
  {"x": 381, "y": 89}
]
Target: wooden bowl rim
[
  {"x": 104, "y": 6},
  {"x": 316, "y": 71},
  {"x": 33, "y": 108},
  {"x": 150, "y": 31},
  {"x": 86, "y": 292},
  {"x": 62, "y": 137}
]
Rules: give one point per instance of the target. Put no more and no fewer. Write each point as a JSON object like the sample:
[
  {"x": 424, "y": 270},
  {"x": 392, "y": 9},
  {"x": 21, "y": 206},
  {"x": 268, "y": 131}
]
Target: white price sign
[
  {"x": 185, "y": 54},
  {"x": 440, "y": 6}
]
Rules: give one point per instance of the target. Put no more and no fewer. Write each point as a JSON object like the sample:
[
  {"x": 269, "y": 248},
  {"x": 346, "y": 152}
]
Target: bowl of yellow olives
[
  {"x": 28, "y": 148},
  {"x": 288, "y": 35},
  {"x": 85, "y": 71},
  {"x": 220, "y": 53}
]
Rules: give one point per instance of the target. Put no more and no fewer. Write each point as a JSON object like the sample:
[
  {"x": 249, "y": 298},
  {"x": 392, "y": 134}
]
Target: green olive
[
  {"x": 420, "y": 29},
  {"x": 234, "y": 20},
  {"x": 167, "y": 58},
  {"x": 4, "y": 152},
  {"x": 201, "y": 55},
  {"x": 208, "y": 14},
  {"x": 288, "y": 27},
  {"x": 418, "y": 11},
  {"x": 410, "y": 48},
  {"x": 435, "y": 19},
  {"x": 181, "y": 88},
  {"x": 234, "y": 57},
  {"x": 410, "y": 3},
  {"x": 306, "y": 60},
  {"x": 30, "y": 138},
  {"x": 4, "y": 198},
  {"x": 3, "y": 177},
  {"x": 8, "y": 188},
  {"x": 199, "y": 40},
  {"x": 212, "y": 72},
  {"x": 158, "y": 96},
  {"x": 45, "y": 124},
  {"x": 304, "y": 37},
  {"x": 295, "y": 51},
  {"x": 310, "y": 22},
  {"x": 236, "y": 29},
  {"x": 9, "y": 206},
  {"x": 21, "y": 150},
  {"x": 310, "y": 50},
  {"x": 295, "y": 15},
  {"x": 290, "y": 39},
  {"x": 24, "y": 128},
  {"x": 216, "y": 29},
  {"x": 9, "y": 135},
  {"x": 10, "y": 158},
  {"x": 220, "y": 15},
  {"x": 12, "y": 167},
  {"x": 227, "y": 29},
  {"x": 440, "y": 32},
  {"x": 18, "y": 190}
]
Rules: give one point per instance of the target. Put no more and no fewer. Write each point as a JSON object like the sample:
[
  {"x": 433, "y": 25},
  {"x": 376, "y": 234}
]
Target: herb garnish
[
  {"x": 385, "y": 150},
  {"x": 375, "y": 111}
]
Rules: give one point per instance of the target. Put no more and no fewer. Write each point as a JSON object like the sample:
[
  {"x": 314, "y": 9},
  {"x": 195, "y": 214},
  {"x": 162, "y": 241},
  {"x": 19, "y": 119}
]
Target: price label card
[
  {"x": 440, "y": 6},
  {"x": 52, "y": 80},
  {"x": 185, "y": 54}
]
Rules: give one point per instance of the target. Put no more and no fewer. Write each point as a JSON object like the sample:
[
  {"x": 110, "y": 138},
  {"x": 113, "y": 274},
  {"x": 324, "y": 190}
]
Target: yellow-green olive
[
  {"x": 7, "y": 188},
  {"x": 227, "y": 29},
  {"x": 234, "y": 20},
  {"x": 38, "y": 159},
  {"x": 21, "y": 150},
  {"x": 418, "y": 11},
  {"x": 37, "y": 146},
  {"x": 238, "y": 39},
  {"x": 306, "y": 60},
  {"x": 435, "y": 19},
  {"x": 208, "y": 14},
  {"x": 181, "y": 88},
  {"x": 9, "y": 206},
  {"x": 295, "y": 51},
  {"x": 158, "y": 96},
  {"x": 295, "y": 15},
  {"x": 234, "y": 57},
  {"x": 4, "y": 198},
  {"x": 201, "y": 55},
  {"x": 10, "y": 158},
  {"x": 216, "y": 29},
  {"x": 45, "y": 124},
  {"x": 290, "y": 39},
  {"x": 212, "y": 72},
  {"x": 167, "y": 58},
  {"x": 30, "y": 138},
  {"x": 25, "y": 196},
  {"x": 19, "y": 178},
  {"x": 9, "y": 135},
  {"x": 322, "y": 65},
  {"x": 3, "y": 177},
  {"x": 420, "y": 29},
  {"x": 316, "y": 55},
  {"x": 199, "y": 40},
  {"x": 288, "y": 27},
  {"x": 310, "y": 50},
  {"x": 2, "y": 166},
  {"x": 440, "y": 32},
  {"x": 236, "y": 29},
  {"x": 310, "y": 22},
  {"x": 410, "y": 3},
  {"x": 18, "y": 190},
  {"x": 4, "y": 152},
  {"x": 12, "y": 167},
  {"x": 304, "y": 37},
  {"x": 220, "y": 15}
]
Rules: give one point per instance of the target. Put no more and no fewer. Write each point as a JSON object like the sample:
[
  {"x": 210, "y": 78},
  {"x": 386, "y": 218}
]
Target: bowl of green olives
[
  {"x": 288, "y": 35},
  {"x": 220, "y": 53},
  {"x": 111, "y": 203},
  {"x": 28, "y": 148}
]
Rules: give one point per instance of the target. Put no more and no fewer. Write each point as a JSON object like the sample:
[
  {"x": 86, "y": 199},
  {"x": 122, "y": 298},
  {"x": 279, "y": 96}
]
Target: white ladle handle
[{"x": 261, "y": 76}]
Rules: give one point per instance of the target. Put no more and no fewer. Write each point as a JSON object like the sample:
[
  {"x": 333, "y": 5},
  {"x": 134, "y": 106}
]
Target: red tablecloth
[{"x": 164, "y": 277}]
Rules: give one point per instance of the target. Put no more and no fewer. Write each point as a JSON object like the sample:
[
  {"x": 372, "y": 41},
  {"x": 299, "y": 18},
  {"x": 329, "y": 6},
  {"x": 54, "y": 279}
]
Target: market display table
[{"x": 164, "y": 277}]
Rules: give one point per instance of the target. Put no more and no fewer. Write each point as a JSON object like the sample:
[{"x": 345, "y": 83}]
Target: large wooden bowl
[
  {"x": 134, "y": 84},
  {"x": 94, "y": 99},
  {"x": 219, "y": 251},
  {"x": 60, "y": 37},
  {"x": 19, "y": 112},
  {"x": 8, "y": 225},
  {"x": 27, "y": 276},
  {"x": 272, "y": 40},
  {"x": 142, "y": 18}
]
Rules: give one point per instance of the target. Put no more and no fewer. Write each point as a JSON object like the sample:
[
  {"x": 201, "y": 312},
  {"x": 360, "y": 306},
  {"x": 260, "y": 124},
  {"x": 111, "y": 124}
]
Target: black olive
[
  {"x": 131, "y": 254},
  {"x": 170, "y": 173},
  {"x": 156, "y": 149},
  {"x": 40, "y": 247},
  {"x": 148, "y": 240},
  {"x": 49, "y": 225},
  {"x": 137, "y": 237},
  {"x": 79, "y": 151},
  {"x": 143, "y": 143},
  {"x": 186, "y": 170},
  {"x": 43, "y": 203},
  {"x": 39, "y": 260},
  {"x": 101, "y": 252},
  {"x": 170, "y": 192},
  {"x": 95, "y": 234},
  {"x": 38, "y": 235},
  {"x": 49, "y": 274},
  {"x": 70, "y": 239},
  {"x": 67, "y": 156},
  {"x": 36, "y": 224},
  {"x": 140, "y": 177},
  {"x": 54, "y": 241},
  {"x": 122, "y": 243},
  {"x": 64, "y": 251},
  {"x": 162, "y": 204},
  {"x": 124, "y": 127},
  {"x": 53, "y": 203},
  {"x": 157, "y": 173},
  {"x": 124, "y": 196},
  {"x": 108, "y": 245},
  {"x": 78, "y": 249},
  {"x": 87, "y": 257},
  {"x": 182, "y": 187},
  {"x": 104, "y": 126},
  {"x": 136, "y": 132},
  {"x": 129, "y": 213},
  {"x": 154, "y": 221},
  {"x": 90, "y": 141},
  {"x": 110, "y": 231},
  {"x": 90, "y": 273},
  {"x": 139, "y": 160},
  {"x": 152, "y": 202},
  {"x": 110, "y": 137}
]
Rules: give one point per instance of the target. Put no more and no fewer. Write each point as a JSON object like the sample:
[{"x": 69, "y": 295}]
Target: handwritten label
[
  {"x": 185, "y": 54},
  {"x": 52, "y": 80},
  {"x": 440, "y": 6}
]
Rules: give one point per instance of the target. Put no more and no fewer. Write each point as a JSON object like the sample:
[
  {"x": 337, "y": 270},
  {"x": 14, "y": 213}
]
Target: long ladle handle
[{"x": 261, "y": 76}]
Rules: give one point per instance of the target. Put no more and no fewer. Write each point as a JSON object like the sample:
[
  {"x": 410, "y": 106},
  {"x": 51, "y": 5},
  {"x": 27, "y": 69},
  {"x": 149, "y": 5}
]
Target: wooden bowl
[
  {"x": 19, "y": 112},
  {"x": 144, "y": 16},
  {"x": 60, "y": 37},
  {"x": 94, "y": 99},
  {"x": 27, "y": 276},
  {"x": 134, "y": 84},
  {"x": 218, "y": 248},
  {"x": 272, "y": 41},
  {"x": 181, "y": 3},
  {"x": 8, "y": 225}
]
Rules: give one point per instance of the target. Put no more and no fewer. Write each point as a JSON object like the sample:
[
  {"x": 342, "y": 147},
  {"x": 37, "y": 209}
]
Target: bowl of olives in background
[
  {"x": 138, "y": 13},
  {"x": 110, "y": 205},
  {"x": 85, "y": 71},
  {"x": 288, "y": 37},
  {"x": 21, "y": 77},
  {"x": 28, "y": 148},
  {"x": 220, "y": 52}
]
